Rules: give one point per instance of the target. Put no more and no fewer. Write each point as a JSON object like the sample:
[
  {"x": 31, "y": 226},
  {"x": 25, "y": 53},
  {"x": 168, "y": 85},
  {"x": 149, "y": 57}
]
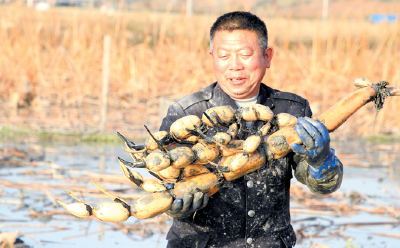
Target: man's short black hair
[{"x": 240, "y": 20}]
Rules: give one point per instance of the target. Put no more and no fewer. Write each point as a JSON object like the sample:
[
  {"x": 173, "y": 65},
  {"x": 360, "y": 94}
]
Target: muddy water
[{"x": 371, "y": 181}]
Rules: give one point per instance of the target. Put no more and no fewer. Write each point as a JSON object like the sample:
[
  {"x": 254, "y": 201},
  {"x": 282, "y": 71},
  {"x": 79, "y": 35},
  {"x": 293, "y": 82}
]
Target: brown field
[{"x": 51, "y": 65}]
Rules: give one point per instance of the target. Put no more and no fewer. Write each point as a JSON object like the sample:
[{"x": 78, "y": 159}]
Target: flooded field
[{"x": 365, "y": 212}]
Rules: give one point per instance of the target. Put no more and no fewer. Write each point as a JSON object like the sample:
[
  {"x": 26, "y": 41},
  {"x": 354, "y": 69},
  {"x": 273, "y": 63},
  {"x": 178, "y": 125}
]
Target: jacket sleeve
[
  {"x": 324, "y": 186},
  {"x": 175, "y": 112}
]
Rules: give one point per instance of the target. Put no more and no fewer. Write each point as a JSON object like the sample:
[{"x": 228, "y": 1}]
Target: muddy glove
[
  {"x": 187, "y": 205},
  {"x": 316, "y": 149}
]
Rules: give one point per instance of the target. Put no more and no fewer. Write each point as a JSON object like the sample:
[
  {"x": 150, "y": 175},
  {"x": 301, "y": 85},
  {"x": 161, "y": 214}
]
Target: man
[{"x": 251, "y": 211}]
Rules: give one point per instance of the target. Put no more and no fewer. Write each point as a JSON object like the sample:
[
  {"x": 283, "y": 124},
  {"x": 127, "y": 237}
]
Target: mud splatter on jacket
[{"x": 251, "y": 211}]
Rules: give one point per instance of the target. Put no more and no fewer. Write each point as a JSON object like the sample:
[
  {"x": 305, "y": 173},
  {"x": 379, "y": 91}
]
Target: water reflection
[
  {"x": 29, "y": 189},
  {"x": 102, "y": 169}
]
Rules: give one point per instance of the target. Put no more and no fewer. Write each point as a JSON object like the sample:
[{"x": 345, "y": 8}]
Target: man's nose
[{"x": 235, "y": 64}]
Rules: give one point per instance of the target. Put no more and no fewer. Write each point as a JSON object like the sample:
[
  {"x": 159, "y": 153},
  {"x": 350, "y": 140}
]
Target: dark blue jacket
[{"x": 251, "y": 211}]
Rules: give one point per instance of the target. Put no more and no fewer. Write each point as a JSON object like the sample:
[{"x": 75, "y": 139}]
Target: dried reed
[{"x": 50, "y": 66}]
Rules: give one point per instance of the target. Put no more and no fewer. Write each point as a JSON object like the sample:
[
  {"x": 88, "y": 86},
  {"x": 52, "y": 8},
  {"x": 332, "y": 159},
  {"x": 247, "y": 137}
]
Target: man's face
[{"x": 239, "y": 62}]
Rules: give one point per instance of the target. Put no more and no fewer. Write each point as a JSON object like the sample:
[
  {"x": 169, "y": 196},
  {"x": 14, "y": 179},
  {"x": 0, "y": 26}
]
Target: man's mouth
[{"x": 236, "y": 80}]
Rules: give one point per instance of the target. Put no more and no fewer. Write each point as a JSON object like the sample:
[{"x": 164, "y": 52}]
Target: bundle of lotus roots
[{"x": 178, "y": 157}]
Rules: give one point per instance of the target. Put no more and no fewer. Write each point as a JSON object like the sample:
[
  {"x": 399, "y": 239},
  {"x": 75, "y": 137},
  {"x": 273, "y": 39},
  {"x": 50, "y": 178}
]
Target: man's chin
[
  {"x": 240, "y": 94},
  {"x": 237, "y": 92}
]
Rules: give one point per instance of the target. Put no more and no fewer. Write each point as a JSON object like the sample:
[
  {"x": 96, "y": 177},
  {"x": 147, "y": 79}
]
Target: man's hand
[
  {"x": 316, "y": 150},
  {"x": 315, "y": 138},
  {"x": 187, "y": 205}
]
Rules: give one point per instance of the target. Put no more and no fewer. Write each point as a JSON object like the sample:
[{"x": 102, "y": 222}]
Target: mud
[
  {"x": 205, "y": 153},
  {"x": 181, "y": 157},
  {"x": 279, "y": 142},
  {"x": 157, "y": 161},
  {"x": 225, "y": 113}
]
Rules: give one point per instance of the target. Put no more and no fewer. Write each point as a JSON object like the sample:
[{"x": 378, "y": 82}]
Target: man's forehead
[{"x": 235, "y": 37}]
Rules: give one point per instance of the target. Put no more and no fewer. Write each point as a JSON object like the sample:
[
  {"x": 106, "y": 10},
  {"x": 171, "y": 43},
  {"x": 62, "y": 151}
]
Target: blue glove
[
  {"x": 187, "y": 205},
  {"x": 316, "y": 150}
]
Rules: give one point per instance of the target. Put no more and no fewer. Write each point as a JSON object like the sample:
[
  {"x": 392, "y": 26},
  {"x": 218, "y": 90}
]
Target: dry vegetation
[{"x": 51, "y": 66}]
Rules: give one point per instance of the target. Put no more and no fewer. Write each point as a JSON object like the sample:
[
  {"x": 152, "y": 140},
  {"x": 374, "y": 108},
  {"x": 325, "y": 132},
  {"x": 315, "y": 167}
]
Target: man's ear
[{"x": 269, "y": 53}]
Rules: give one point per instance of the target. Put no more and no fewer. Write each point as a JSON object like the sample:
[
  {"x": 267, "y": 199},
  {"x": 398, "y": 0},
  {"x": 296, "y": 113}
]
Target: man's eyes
[{"x": 226, "y": 56}]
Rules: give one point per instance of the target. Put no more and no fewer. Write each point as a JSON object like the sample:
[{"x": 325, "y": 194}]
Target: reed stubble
[{"x": 50, "y": 66}]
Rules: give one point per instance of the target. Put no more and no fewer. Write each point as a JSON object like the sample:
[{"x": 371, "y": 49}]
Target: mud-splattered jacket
[{"x": 251, "y": 211}]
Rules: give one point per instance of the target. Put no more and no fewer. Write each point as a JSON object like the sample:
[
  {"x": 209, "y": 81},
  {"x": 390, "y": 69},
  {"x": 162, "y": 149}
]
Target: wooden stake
[{"x": 106, "y": 74}]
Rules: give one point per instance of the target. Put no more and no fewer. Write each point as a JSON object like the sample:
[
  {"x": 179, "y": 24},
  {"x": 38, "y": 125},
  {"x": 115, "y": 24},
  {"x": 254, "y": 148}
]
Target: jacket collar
[
  {"x": 264, "y": 97},
  {"x": 220, "y": 98}
]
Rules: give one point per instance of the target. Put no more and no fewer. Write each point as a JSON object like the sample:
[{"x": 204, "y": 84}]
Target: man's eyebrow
[{"x": 244, "y": 47}]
